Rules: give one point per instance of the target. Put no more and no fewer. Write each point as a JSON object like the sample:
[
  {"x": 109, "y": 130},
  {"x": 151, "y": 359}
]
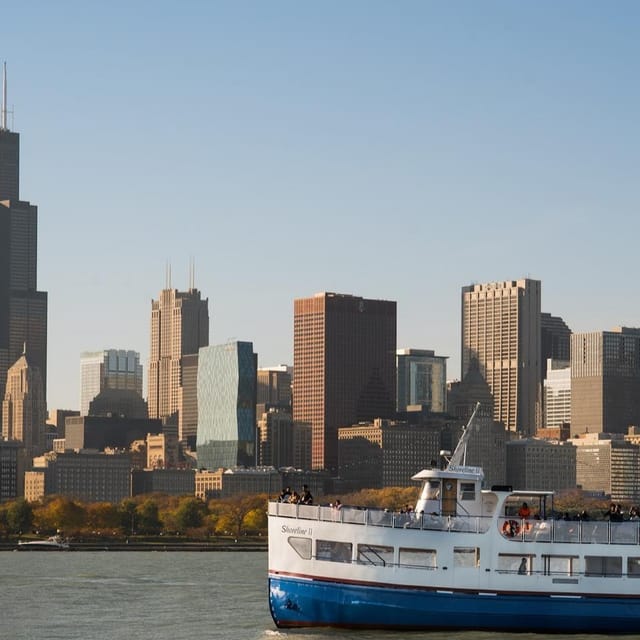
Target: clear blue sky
[{"x": 394, "y": 150}]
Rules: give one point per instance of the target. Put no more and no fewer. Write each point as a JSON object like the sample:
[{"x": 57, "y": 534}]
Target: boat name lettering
[{"x": 296, "y": 530}]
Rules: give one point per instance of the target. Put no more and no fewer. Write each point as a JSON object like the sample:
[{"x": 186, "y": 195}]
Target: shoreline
[{"x": 113, "y": 545}]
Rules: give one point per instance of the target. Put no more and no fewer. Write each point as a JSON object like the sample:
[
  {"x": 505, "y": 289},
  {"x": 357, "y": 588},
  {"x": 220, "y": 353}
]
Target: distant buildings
[
  {"x": 557, "y": 394},
  {"x": 227, "y": 406},
  {"x": 23, "y": 309},
  {"x": 179, "y": 328},
  {"x": 344, "y": 366},
  {"x": 605, "y": 381},
  {"x": 108, "y": 369},
  {"x": 421, "y": 379},
  {"x": 501, "y": 330}
]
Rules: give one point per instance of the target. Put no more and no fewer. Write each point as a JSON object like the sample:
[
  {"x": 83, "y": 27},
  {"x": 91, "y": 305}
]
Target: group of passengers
[
  {"x": 616, "y": 513},
  {"x": 293, "y": 497}
]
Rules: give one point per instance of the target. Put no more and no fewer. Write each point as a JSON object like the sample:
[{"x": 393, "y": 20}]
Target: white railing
[{"x": 569, "y": 531}]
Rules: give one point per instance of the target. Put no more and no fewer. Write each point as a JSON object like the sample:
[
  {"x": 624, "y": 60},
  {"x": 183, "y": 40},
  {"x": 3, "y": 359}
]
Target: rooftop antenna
[
  {"x": 4, "y": 96},
  {"x": 192, "y": 274}
]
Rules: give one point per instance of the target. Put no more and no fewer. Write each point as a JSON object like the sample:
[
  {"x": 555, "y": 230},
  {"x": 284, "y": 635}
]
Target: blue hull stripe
[{"x": 298, "y": 602}]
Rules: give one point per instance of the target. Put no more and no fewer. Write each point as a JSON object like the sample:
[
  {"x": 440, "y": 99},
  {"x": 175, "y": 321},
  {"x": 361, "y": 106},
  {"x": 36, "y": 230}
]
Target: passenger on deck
[
  {"x": 524, "y": 511},
  {"x": 306, "y": 497},
  {"x": 522, "y": 569},
  {"x": 285, "y": 495}
]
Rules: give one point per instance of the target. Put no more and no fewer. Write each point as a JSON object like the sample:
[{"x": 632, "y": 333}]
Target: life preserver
[{"x": 510, "y": 528}]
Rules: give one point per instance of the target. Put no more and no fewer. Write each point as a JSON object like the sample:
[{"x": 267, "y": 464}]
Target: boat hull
[{"x": 304, "y": 602}]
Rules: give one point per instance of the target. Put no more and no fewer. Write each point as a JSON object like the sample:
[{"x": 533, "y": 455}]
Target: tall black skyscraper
[{"x": 23, "y": 309}]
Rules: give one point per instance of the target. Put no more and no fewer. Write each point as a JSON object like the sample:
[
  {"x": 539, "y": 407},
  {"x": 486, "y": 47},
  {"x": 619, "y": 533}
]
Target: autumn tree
[{"x": 18, "y": 516}]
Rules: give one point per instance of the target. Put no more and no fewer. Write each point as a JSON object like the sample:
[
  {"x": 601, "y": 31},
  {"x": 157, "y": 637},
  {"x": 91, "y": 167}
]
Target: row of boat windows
[{"x": 467, "y": 557}]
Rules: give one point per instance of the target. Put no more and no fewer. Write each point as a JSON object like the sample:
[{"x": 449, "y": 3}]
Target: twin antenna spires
[{"x": 192, "y": 275}]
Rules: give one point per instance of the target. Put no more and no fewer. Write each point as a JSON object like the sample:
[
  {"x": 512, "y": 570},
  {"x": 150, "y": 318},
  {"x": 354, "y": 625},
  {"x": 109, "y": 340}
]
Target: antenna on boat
[{"x": 459, "y": 456}]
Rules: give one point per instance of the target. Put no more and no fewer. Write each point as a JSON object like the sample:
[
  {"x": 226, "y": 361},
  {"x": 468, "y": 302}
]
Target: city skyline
[{"x": 393, "y": 154}]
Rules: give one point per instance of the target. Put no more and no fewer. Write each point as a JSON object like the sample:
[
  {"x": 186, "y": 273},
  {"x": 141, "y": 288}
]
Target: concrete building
[
  {"x": 608, "y": 464},
  {"x": 171, "y": 482},
  {"x": 282, "y": 442},
  {"x": 501, "y": 330},
  {"x": 227, "y": 406},
  {"x": 421, "y": 379},
  {"x": 557, "y": 394},
  {"x": 344, "y": 367},
  {"x": 274, "y": 386},
  {"x": 89, "y": 477},
  {"x": 122, "y": 403},
  {"x": 24, "y": 408},
  {"x": 605, "y": 381},
  {"x": 541, "y": 465},
  {"x": 179, "y": 327},
  {"x": 162, "y": 451},
  {"x": 100, "y": 433},
  {"x": 23, "y": 309},
  {"x": 208, "y": 484},
  {"x": 241, "y": 481}
]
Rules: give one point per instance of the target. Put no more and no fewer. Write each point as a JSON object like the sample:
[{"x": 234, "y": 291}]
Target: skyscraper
[
  {"x": 343, "y": 366},
  {"x": 179, "y": 327},
  {"x": 501, "y": 329},
  {"x": 605, "y": 381},
  {"x": 108, "y": 369},
  {"x": 23, "y": 408},
  {"x": 23, "y": 309},
  {"x": 422, "y": 379},
  {"x": 227, "y": 406}
]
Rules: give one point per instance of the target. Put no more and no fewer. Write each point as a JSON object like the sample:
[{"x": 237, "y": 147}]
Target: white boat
[
  {"x": 53, "y": 543},
  {"x": 464, "y": 559}
]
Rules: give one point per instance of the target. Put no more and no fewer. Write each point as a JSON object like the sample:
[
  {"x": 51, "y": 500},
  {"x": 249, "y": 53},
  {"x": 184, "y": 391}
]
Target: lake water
[{"x": 158, "y": 596}]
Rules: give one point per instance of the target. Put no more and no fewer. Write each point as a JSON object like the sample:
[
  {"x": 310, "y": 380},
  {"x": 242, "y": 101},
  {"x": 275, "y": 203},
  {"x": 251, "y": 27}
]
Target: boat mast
[{"x": 459, "y": 456}]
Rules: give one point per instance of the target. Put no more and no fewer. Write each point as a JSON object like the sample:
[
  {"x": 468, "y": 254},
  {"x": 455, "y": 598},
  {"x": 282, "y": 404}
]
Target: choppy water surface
[{"x": 159, "y": 596}]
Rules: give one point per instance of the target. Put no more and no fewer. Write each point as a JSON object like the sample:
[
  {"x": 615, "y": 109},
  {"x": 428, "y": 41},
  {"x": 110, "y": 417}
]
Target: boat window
[
  {"x": 433, "y": 490},
  {"x": 423, "y": 558},
  {"x": 633, "y": 567},
  {"x": 375, "y": 554},
  {"x": 558, "y": 565},
  {"x": 302, "y": 546},
  {"x": 333, "y": 551},
  {"x": 515, "y": 563},
  {"x": 467, "y": 491},
  {"x": 466, "y": 557},
  {"x": 599, "y": 566}
]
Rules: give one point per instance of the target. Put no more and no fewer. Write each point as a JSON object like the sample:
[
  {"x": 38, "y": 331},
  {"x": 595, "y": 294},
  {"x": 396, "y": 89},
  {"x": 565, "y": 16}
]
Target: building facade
[
  {"x": 501, "y": 330},
  {"x": 23, "y": 309},
  {"x": 24, "y": 408},
  {"x": 108, "y": 369},
  {"x": 274, "y": 386},
  {"x": 179, "y": 328},
  {"x": 282, "y": 442},
  {"x": 344, "y": 366},
  {"x": 227, "y": 406},
  {"x": 557, "y": 394},
  {"x": 422, "y": 379},
  {"x": 605, "y": 381}
]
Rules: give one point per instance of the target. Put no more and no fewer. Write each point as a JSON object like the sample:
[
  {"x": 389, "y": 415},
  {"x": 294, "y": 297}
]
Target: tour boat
[
  {"x": 466, "y": 558},
  {"x": 53, "y": 543}
]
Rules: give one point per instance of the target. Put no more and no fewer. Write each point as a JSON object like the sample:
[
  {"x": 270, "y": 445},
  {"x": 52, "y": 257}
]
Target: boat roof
[{"x": 454, "y": 472}]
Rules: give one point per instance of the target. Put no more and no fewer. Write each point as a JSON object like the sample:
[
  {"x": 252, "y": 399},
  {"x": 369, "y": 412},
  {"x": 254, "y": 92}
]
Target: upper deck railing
[{"x": 513, "y": 529}]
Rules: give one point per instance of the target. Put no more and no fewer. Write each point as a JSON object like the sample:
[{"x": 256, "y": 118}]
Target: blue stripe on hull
[{"x": 302, "y": 603}]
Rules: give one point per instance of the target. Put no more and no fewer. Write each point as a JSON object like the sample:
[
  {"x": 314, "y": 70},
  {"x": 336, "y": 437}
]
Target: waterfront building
[
  {"x": 208, "y": 484},
  {"x": 541, "y": 465},
  {"x": 24, "y": 407},
  {"x": 501, "y": 329},
  {"x": 23, "y": 309},
  {"x": 344, "y": 366},
  {"x": 88, "y": 477},
  {"x": 605, "y": 381},
  {"x": 179, "y": 328},
  {"x": 421, "y": 379},
  {"x": 557, "y": 393},
  {"x": 108, "y": 369},
  {"x": 162, "y": 451},
  {"x": 227, "y": 406},
  {"x": 606, "y": 463},
  {"x": 172, "y": 482}
]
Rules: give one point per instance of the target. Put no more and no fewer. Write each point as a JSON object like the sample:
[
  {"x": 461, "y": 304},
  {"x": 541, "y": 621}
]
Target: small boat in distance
[
  {"x": 467, "y": 558},
  {"x": 53, "y": 543}
]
